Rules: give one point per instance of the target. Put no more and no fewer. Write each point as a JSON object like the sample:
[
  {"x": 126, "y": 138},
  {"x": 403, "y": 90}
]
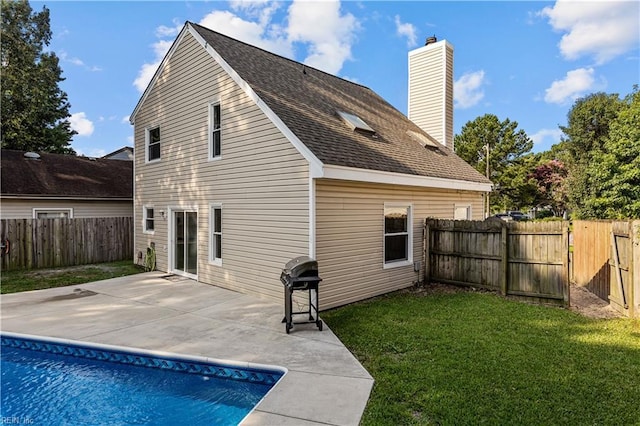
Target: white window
[
  {"x": 152, "y": 144},
  {"x": 398, "y": 235},
  {"x": 215, "y": 131},
  {"x": 215, "y": 237},
  {"x": 461, "y": 212},
  {"x": 148, "y": 220},
  {"x": 53, "y": 213}
]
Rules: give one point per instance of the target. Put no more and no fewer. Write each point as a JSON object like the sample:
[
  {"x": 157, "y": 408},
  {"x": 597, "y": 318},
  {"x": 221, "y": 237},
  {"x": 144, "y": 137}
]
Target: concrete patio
[{"x": 324, "y": 384}]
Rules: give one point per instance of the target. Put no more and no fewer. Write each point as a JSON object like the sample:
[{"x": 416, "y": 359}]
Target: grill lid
[{"x": 299, "y": 266}]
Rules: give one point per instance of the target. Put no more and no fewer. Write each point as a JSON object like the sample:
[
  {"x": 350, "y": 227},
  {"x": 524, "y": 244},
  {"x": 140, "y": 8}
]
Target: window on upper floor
[
  {"x": 215, "y": 131},
  {"x": 398, "y": 235},
  {"x": 152, "y": 144}
]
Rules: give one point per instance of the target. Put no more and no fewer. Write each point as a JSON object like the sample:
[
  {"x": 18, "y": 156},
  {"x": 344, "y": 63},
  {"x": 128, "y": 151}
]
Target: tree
[
  {"x": 550, "y": 178},
  {"x": 614, "y": 173},
  {"x": 587, "y": 129},
  {"x": 506, "y": 146},
  {"x": 34, "y": 109}
]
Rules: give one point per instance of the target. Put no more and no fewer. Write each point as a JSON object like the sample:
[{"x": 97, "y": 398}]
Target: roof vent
[
  {"x": 424, "y": 140},
  {"x": 355, "y": 122},
  {"x": 32, "y": 155},
  {"x": 431, "y": 40}
]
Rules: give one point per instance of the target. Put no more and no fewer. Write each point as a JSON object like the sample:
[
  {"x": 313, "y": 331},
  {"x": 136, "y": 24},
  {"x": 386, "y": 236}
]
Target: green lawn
[
  {"x": 36, "y": 279},
  {"x": 476, "y": 358}
]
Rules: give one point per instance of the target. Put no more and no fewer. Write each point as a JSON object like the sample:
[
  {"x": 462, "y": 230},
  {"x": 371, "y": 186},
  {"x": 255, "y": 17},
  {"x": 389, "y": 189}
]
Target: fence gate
[
  {"x": 606, "y": 260},
  {"x": 590, "y": 256},
  {"x": 619, "y": 267}
]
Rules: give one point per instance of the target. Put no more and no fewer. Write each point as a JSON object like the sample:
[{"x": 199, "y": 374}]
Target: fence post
[
  {"x": 427, "y": 239},
  {"x": 634, "y": 269},
  {"x": 504, "y": 252},
  {"x": 566, "y": 262}
]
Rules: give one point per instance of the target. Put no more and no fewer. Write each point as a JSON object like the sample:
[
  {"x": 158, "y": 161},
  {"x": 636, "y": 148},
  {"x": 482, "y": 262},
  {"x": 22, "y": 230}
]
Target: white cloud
[
  {"x": 260, "y": 34},
  {"x": 575, "y": 84},
  {"x": 164, "y": 31},
  {"x": 407, "y": 30},
  {"x": 551, "y": 136},
  {"x": 329, "y": 44},
  {"x": 64, "y": 56},
  {"x": 467, "y": 90},
  {"x": 125, "y": 119},
  {"x": 601, "y": 29},
  {"x": 81, "y": 124},
  {"x": 147, "y": 71}
]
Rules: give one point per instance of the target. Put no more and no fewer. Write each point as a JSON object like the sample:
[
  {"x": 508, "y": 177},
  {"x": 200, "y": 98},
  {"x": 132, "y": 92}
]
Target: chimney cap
[{"x": 431, "y": 40}]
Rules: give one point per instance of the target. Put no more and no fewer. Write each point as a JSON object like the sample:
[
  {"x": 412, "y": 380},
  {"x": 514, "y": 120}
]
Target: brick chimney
[{"x": 431, "y": 89}]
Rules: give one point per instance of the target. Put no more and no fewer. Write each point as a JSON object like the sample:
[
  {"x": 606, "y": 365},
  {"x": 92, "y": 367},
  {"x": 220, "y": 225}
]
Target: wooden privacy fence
[
  {"x": 45, "y": 243},
  {"x": 526, "y": 259},
  {"x": 606, "y": 260}
]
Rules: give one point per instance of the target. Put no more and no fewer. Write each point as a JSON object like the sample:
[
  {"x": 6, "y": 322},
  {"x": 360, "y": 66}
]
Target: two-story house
[{"x": 245, "y": 159}]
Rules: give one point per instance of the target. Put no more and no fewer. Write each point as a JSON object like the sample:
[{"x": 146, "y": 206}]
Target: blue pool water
[{"x": 49, "y": 382}]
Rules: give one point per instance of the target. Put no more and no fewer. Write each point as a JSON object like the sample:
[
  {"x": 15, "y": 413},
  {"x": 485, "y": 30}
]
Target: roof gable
[
  {"x": 65, "y": 176},
  {"x": 308, "y": 100}
]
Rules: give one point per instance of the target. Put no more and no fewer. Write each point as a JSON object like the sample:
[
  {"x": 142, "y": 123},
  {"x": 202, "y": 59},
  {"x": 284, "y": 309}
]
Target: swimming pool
[{"x": 55, "y": 381}]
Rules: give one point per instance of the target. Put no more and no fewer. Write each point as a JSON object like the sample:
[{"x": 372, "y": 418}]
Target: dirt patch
[
  {"x": 581, "y": 300},
  {"x": 590, "y": 305},
  {"x": 438, "y": 288},
  {"x": 68, "y": 269}
]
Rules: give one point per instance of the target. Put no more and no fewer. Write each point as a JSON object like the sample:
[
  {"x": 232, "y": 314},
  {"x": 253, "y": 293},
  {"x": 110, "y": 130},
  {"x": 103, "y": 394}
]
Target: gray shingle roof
[
  {"x": 307, "y": 101},
  {"x": 57, "y": 175}
]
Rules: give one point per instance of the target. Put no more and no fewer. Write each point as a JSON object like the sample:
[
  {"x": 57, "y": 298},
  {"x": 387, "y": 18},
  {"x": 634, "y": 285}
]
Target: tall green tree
[
  {"x": 587, "y": 129},
  {"x": 35, "y": 111},
  {"x": 500, "y": 145},
  {"x": 614, "y": 172}
]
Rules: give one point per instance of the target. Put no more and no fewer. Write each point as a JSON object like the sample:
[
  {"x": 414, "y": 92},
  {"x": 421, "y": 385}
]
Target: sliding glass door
[{"x": 185, "y": 242}]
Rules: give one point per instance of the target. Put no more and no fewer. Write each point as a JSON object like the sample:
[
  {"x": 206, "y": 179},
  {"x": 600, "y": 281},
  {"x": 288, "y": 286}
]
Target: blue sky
[{"x": 526, "y": 61}]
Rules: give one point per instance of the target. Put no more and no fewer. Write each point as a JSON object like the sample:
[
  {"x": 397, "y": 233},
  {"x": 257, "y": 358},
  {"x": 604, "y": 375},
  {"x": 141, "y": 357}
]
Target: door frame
[{"x": 172, "y": 237}]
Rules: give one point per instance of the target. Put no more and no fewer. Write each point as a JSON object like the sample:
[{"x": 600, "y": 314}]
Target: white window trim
[
  {"x": 218, "y": 260},
  {"x": 409, "y": 261},
  {"x": 459, "y": 206},
  {"x": 147, "y": 130},
  {"x": 37, "y": 210},
  {"x": 144, "y": 219},
  {"x": 210, "y": 134}
]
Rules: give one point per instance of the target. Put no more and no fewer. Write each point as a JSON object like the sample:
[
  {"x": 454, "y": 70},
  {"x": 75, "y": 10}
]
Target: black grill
[{"x": 301, "y": 273}]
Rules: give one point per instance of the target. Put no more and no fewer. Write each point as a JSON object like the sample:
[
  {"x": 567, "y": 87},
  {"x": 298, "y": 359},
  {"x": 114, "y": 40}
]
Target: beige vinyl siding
[
  {"x": 431, "y": 90},
  {"x": 261, "y": 181},
  {"x": 448, "y": 122},
  {"x": 350, "y": 229},
  {"x": 12, "y": 208}
]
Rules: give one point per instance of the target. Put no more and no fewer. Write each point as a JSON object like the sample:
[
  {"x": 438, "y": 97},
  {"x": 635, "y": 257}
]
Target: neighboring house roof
[
  {"x": 124, "y": 153},
  {"x": 307, "y": 101},
  {"x": 64, "y": 176}
]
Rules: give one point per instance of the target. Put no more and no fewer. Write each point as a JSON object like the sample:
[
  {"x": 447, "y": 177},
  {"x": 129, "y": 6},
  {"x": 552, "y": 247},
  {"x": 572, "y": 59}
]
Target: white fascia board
[
  {"x": 315, "y": 165},
  {"x": 62, "y": 198},
  {"x": 167, "y": 57},
  {"x": 392, "y": 178}
]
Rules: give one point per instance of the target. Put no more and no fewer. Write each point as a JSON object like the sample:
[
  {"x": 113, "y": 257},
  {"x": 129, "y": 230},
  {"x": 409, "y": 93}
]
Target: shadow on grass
[{"x": 469, "y": 358}]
